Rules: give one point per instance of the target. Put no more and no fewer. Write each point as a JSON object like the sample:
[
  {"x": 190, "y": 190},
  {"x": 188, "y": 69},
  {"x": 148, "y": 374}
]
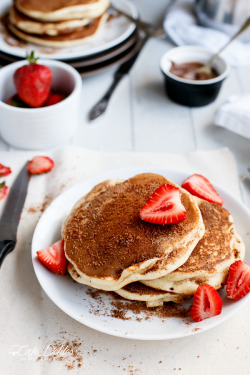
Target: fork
[{"x": 139, "y": 23}]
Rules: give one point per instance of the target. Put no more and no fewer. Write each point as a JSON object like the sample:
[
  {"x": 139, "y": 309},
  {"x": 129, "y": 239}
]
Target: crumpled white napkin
[
  {"x": 234, "y": 115},
  {"x": 181, "y": 25}
]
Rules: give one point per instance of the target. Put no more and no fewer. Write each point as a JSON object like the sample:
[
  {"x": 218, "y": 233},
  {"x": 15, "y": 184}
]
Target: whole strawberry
[{"x": 33, "y": 82}]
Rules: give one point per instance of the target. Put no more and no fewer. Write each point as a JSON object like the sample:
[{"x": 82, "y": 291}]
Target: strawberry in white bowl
[{"x": 45, "y": 121}]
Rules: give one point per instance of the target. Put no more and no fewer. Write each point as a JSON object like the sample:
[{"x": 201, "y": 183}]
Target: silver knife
[
  {"x": 11, "y": 214},
  {"x": 123, "y": 70}
]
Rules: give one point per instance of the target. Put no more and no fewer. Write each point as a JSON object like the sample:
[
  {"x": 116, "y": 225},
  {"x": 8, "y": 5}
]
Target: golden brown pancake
[
  {"x": 153, "y": 297},
  {"x": 31, "y": 26},
  {"x": 211, "y": 258},
  {"x": 75, "y": 37},
  {"x": 58, "y": 10},
  {"x": 108, "y": 244}
]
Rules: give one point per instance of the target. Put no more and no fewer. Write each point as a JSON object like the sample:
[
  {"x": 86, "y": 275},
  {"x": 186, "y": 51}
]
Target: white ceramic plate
[
  {"x": 115, "y": 32},
  {"x": 74, "y": 298}
]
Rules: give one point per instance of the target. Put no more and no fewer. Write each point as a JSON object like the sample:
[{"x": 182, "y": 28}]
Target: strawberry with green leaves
[{"x": 33, "y": 82}]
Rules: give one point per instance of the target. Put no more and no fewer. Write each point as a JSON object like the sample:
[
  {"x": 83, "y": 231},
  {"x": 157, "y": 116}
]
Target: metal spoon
[{"x": 207, "y": 69}]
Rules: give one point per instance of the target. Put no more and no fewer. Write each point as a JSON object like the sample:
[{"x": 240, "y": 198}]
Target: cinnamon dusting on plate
[{"x": 134, "y": 310}]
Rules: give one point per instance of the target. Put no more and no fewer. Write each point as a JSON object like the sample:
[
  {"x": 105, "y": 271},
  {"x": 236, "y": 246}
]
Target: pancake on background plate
[
  {"x": 32, "y": 26},
  {"x": 77, "y": 36},
  {"x": 211, "y": 258},
  {"x": 58, "y": 10},
  {"x": 57, "y": 23},
  {"x": 109, "y": 246}
]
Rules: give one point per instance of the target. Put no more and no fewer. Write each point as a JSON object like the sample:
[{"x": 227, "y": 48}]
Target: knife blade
[{"x": 11, "y": 214}]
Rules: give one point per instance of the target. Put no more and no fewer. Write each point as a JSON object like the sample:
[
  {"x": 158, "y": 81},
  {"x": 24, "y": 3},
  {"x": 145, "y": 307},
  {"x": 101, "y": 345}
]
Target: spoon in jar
[{"x": 207, "y": 69}]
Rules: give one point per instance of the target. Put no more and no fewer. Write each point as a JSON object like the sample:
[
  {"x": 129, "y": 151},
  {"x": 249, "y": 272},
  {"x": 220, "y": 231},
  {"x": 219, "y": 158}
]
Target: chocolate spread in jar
[{"x": 189, "y": 70}]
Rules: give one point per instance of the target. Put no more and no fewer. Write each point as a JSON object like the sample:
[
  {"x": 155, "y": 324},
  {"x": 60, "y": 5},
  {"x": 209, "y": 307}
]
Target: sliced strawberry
[
  {"x": 53, "y": 258},
  {"x": 199, "y": 186},
  {"x": 54, "y": 99},
  {"x": 238, "y": 281},
  {"x": 3, "y": 190},
  {"x": 40, "y": 164},
  {"x": 206, "y": 303},
  {"x": 4, "y": 171},
  {"x": 164, "y": 207}
]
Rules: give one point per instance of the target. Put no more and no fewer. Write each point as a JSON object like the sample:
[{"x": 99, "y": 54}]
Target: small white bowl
[
  {"x": 192, "y": 93},
  {"x": 45, "y": 127}
]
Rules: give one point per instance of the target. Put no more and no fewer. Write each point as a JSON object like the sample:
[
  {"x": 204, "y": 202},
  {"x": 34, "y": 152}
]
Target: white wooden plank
[
  {"x": 3, "y": 145},
  {"x": 245, "y": 190},
  {"x": 209, "y": 136},
  {"x": 111, "y": 131},
  {"x": 159, "y": 124}
]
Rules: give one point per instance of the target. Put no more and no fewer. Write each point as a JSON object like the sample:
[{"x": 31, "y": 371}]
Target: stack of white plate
[{"x": 118, "y": 41}]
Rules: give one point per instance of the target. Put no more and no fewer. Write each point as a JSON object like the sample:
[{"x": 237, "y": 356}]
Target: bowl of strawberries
[{"x": 39, "y": 103}]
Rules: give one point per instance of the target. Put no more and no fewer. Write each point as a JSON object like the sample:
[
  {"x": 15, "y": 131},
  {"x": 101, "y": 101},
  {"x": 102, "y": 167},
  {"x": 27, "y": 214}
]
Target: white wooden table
[{"x": 141, "y": 118}]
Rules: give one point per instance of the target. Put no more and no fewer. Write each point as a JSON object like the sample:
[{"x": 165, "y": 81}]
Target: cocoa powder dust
[{"x": 122, "y": 309}]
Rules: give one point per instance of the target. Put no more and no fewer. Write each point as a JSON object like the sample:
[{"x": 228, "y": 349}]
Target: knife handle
[
  {"x": 101, "y": 106},
  {"x": 6, "y": 246},
  {"x": 123, "y": 70}
]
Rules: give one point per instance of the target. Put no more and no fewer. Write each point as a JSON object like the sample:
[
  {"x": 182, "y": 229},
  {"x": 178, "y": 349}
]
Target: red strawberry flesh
[
  {"x": 53, "y": 258},
  {"x": 164, "y": 206},
  {"x": 201, "y": 187},
  {"x": 238, "y": 281},
  {"x": 206, "y": 303},
  {"x": 4, "y": 171},
  {"x": 3, "y": 190},
  {"x": 54, "y": 99},
  {"x": 40, "y": 164}
]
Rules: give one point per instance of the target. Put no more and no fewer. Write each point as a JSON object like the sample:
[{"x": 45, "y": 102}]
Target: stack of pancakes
[
  {"x": 57, "y": 23},
  {"x": 110, "y": 248}
]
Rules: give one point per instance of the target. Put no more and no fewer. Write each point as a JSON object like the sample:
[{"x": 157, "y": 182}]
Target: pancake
[
  {"x": 209, "y": 262},
  {"x": 58, "y": 10},
  {"x": 30, "y": 26},
  {"x": 153, "y": 297},
  {"x": 78, "y": 36},
  {"x": 109, "y": 246}
]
